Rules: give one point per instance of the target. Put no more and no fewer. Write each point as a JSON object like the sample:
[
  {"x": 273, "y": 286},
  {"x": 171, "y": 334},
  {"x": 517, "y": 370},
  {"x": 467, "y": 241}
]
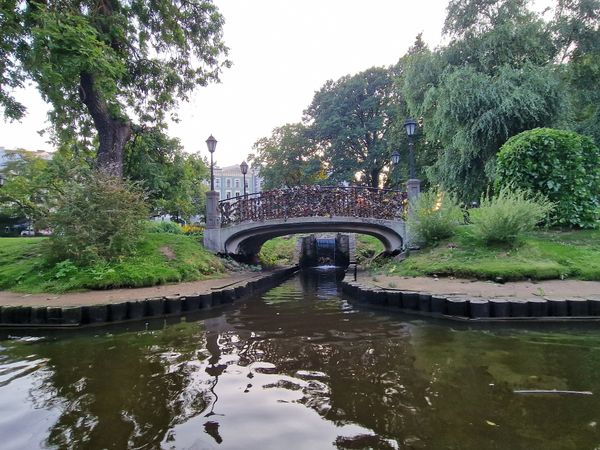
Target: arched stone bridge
[{"x": 241, "y": 225}]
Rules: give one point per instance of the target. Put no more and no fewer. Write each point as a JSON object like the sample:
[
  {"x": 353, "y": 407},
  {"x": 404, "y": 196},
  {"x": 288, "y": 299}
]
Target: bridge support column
[
  {"x": 213, "y": 218},
  {"x": 413, "y": 190}
]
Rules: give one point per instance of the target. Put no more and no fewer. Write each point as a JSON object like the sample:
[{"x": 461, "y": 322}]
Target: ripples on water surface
[{"x": 300, "y": 367}]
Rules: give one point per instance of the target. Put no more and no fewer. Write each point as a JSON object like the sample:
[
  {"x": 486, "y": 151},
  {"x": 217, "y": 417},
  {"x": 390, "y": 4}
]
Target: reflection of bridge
[{"x": 240, "y": 225}]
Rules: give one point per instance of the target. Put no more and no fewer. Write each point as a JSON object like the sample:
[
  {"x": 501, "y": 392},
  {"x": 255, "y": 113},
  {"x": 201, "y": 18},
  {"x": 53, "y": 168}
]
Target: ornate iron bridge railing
[{"x": 314, "y": 201}]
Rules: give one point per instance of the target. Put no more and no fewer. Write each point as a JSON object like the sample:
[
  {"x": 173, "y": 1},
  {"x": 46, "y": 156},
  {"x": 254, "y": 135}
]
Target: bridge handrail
[{"x": 314, "y": 201}]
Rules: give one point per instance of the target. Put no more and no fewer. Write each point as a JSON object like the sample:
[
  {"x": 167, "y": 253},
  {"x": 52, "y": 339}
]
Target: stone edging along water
[
  {"x": 467, "y": 308},
  {"x": 132, "y": 310}
]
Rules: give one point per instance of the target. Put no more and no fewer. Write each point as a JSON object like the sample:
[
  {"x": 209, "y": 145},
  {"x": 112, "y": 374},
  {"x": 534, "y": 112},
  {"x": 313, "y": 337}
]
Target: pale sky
[{"x": 282, "y": 52}]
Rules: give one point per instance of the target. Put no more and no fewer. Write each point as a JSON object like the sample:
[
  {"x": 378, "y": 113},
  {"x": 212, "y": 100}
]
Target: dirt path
[
  {"x": 486, "y": 289},
  {"x": 120, "y": 295},
  {"x": 519, "y": 289}
]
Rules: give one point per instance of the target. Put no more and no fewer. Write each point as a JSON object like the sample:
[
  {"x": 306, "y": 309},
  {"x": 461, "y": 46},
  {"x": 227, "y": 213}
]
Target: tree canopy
[
  {"x": 352, "y": 118},
  {"x": 505, "y": 69},
  {"x": 289, "y": 157},
  {"x": 172, "y": 179},
  {"x": 105, "y": 64}
]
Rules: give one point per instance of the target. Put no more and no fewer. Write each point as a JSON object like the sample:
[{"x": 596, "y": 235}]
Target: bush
[
  {"x": 192, "y": 230},
  {"x": 99, "y": 218},
  {"x": 435, "y": 216},
  {"x": 504, "y": 217},
  {"x": 165, "y": 226},
  {"x": 562, "y": 165}
]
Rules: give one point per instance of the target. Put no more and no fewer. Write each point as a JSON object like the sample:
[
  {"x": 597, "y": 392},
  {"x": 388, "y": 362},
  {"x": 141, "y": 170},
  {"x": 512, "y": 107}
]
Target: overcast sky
[{"x": 282, "y": 52}]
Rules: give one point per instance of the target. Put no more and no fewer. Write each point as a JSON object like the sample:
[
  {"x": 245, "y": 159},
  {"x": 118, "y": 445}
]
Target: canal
[{"x": 301, "y": 367}]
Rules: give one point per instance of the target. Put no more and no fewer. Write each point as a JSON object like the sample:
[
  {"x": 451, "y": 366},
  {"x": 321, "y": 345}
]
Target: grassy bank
[
  {"x": 160, "y": 258},
  {"x": 278, "y": 251},
  {"x": 542, "y": 255}
]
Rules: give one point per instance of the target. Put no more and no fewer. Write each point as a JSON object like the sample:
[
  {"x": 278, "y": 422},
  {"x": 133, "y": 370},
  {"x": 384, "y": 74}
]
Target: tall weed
[
  {"x": 504, "y": 217},
  {"x": 434, "y": 216}
]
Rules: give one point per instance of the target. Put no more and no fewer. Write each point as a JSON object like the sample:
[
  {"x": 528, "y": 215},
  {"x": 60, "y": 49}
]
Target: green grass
[
  {"x": 160, "y": 258},
  {"x": 367, "y": 247},
  {"x": 278, "y": 251},
  {"x": 541, "y": 255}
]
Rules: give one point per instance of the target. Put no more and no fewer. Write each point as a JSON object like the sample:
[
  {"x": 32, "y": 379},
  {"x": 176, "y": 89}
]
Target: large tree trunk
[{"x": 113, "y": 133}]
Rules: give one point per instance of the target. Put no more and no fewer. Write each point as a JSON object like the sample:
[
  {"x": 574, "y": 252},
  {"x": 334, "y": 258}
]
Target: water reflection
[{"x": 300, "y": 367}]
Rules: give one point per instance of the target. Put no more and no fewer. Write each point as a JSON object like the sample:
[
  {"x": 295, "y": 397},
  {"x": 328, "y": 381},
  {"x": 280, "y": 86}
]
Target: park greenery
[
  {"x": 503, "y": 69},
  {"x": 158, "y": 258},
  {"x": 561, "y": 165},
  {"x": 542, "y": 254},
  {"x": 508, "y": 109},
  {"x": 108, "y": 67},
  {"x": 435, "y": 215}
]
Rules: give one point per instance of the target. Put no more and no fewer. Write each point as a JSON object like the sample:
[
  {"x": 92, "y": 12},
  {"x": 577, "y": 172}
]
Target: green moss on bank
[
  {"x": 160, "y": 258},
  {"x": 541, "y": 255}
]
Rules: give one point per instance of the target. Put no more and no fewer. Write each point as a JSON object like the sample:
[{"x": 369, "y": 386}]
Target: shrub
[
  {"x": 562, "y": 165},
  {"x": 504, "y": 217},
  {"x": 97, "y": 218},
  {"x": 164, "y": 226},
  {"x": 435, "y": 216},
  {"x": 192, "y": 230}
]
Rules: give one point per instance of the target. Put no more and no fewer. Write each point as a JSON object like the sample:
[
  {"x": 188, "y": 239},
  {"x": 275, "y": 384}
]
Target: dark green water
[{"x": 301, "y": 367}]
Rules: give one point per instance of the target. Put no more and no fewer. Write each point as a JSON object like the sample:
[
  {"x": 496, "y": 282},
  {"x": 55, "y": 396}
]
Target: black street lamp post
[
  {"x": 211, "y": 143},
  {"x": 411, "y": 127},
  {"x": 244, "y": 169},
  {"x": 395, "y": 161}
]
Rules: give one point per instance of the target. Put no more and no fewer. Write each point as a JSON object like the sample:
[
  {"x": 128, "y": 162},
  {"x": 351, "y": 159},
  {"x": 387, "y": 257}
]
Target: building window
[
  {"x": 218, "y": 182},
  {"x": 237, "y": 193},
  {"x": 237, "y": 183},
  {"x": 228, "y": 193},
  {"x": 228, "y": 182}
]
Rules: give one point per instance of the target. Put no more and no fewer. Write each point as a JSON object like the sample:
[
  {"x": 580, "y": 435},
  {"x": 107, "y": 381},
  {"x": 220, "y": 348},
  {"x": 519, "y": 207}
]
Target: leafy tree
[
  {"x": 352, "y": 118},
  {"x": 32, "y": 185},
  {"x": 576, "y": 27},
  {"x": 289, "y": 157},
  {"x": 172, "y": 179},
  {"x": 561, "y": 165},
  {"x": 492, "y": 81},
  {"x": 103, "y": 64}
]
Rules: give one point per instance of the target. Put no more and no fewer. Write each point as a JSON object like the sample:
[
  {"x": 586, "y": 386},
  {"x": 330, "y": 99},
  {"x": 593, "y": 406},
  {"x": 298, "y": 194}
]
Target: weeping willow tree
[{"x": 493, "y": 80}]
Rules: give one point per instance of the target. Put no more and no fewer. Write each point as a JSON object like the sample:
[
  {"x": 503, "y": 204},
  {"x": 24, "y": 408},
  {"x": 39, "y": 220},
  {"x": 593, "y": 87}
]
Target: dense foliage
[
  {"x": 172, "y": 180},
  {"x": 289, "y": 157},
  {"x": 562, "y": 165},
  {"x": 32, "y": 185},
  {"x": 105, "y": 64},
  {"x": 352, "y": 118},
  {"x": 98, "y": 218},
  {"x": 504, "y": 69},
  {"x": 503, "y": 218}
]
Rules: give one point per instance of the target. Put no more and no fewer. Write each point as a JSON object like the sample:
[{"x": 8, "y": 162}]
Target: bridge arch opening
[{"x": 313, "y": 249}]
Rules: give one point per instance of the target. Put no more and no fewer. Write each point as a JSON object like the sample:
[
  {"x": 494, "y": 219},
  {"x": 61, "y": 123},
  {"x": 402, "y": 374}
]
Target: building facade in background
[
  {"x": 229, "y": 181},
  {"x": 7, "y": 155}
]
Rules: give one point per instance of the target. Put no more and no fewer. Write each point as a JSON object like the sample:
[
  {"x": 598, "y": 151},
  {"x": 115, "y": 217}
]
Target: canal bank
[
  {"x": 474, "y": 300},
  {"x": 119, "y": 305},
  {"x": 301, "y": 367}
]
